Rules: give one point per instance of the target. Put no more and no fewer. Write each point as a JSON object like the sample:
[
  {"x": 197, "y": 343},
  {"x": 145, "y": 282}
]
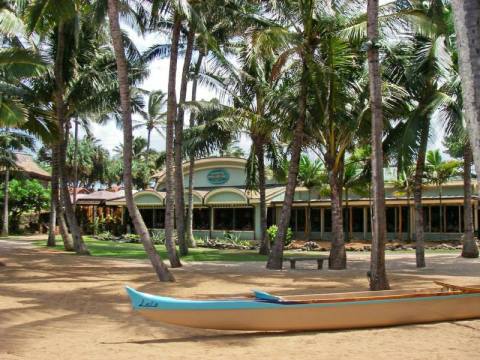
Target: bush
[
  {"x": 131, "y": 238},
  {"x": 158, "y": 236},
  {"x": 272, "y": 234},
  {"x": 105, "y": 236}
]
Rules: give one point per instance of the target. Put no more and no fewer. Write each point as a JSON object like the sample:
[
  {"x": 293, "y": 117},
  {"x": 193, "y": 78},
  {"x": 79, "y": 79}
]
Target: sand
[{"x": 59, "y": 306}]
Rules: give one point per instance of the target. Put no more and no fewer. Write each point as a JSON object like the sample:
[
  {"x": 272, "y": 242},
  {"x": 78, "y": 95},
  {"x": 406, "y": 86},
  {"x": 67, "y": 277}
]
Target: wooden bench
[{"x": 318, "y": 259}]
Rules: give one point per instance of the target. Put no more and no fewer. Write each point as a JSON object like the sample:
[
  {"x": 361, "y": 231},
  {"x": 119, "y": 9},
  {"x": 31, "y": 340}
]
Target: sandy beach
[{"x": 55, "y": 305}]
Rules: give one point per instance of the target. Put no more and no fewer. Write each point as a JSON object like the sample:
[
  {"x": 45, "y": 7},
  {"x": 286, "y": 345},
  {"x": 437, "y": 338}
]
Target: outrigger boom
[{"x": 267, "y": 312}]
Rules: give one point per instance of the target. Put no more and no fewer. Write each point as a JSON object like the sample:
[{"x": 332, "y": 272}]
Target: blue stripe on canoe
[{"x": 152, "y": 302}]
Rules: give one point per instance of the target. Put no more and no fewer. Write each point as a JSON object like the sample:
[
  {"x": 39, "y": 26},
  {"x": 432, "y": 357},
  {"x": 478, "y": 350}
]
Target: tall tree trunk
[
  {"x": 308, "y": 217},
  {"x": 149, "y": 135},
  {"x": 179, "y": 185},
  {"x": 75, "y": 162},
  {"x": 470, "y": 248},
  {"x": 467, "y": 25},
  {"x": 79, "y": 245},
  {"x": 191, "y": 167},
  {"x": 169, "y": 164},
  {"x": 5, "y": 203},
  {"x": 338, "y": 256},
  {"x": 57, "y": 214},
  {"x": 378, "y": 274},
  {"x": 260, "y": 155},
  {"x": 160, "y": 268},
  {"x": 417, "y": 196},
  {"x": 275, "y": 260},
  {"x": 52, "y": 223}
]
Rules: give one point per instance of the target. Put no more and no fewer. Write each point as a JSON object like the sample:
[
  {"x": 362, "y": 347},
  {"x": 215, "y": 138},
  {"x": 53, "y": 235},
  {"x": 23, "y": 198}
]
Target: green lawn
[{"x": 135, "y": 251}]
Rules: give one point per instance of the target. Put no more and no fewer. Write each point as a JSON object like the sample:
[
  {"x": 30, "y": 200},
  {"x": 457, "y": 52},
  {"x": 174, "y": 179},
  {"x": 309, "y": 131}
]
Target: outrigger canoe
[{"x": 267, "y": 312}]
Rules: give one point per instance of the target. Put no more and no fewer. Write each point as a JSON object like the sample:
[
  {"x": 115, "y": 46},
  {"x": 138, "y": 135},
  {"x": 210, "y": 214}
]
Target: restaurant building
[{"x": 223, "y": 205}]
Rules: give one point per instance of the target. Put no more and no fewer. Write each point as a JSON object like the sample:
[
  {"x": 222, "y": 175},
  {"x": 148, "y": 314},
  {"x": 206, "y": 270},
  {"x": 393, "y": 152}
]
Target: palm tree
[
  {"x": 467, "y": 19},
  {"x": 438, "y": 172},
  {"x": 299, "y": 28},
  {"x": 11, "y": 142},
  {"x": 122, "y": 70},
  {"x": 378, "y": 275},
  {"x": 153, "y": 119},
  {"x": 469, "y": 248},
  {"x": 311, "y": 174}
]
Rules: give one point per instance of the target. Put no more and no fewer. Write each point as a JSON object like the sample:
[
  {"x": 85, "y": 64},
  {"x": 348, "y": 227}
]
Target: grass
[
  {"x": 111, "y": 249},
  {"x": 117, "y": 250}
]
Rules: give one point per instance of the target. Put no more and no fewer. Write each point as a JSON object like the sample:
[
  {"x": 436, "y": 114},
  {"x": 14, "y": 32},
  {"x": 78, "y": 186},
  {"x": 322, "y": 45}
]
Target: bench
[{"x": 294, "y": 259}]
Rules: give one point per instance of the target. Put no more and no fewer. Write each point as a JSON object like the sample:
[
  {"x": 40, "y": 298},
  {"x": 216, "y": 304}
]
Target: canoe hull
[{"x": 325, "y": 316}]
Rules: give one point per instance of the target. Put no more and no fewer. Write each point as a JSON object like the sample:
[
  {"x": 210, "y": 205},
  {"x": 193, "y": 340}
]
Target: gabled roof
[{"x": 26, "y": 164}]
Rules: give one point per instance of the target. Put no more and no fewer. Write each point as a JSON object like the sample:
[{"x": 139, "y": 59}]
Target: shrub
[
  {"x": 105, "y": 236},
  {"x": 131, "y": 238},
  {"x": 158, "y": 236},
  {"x": 272, "y": 234}
]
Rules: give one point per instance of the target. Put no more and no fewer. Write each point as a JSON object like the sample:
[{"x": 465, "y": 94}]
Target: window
[
  {"x": 426, "y": 218},
  {"x": 435, "y": 221},
  {"x": 452, "y": 219},
  {"x": 147, "y": 215},
  {"x": 405, "y": 219},
  {"x": 271, "y": 216},
  {"x": 241, "y": 219},
  {"x": 297, "y": 219},
  {"x": 315, "y": 215},
  {"x": 159, "y": 218},
  {"x": 391, "y": 219},
  {"x": 357, "y": 219},
  {"x": 201, "y": 219},
  {"x": 328, "y": 220},
  {"x": 223, "y": 219}
]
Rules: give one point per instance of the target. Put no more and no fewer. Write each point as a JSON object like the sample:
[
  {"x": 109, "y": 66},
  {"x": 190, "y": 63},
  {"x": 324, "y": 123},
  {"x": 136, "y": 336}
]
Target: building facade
[{"x": 223, "y": 205}]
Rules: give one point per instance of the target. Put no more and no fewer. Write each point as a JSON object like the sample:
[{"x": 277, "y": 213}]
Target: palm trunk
[
  {"x": 5, "y": 203},
  {"x": 116, "y": 35},
  {"x": 52, "y": 224},
  {"x": 75, "y": 162},
  {"x": 179, "y": 186},
  {"x": 308, "y": 217},
  {"x": 467, "y": 20},
  {"x": 417, "y": 196},
  {"x": 169, "y": 166},
  {"x": 275, "y": 260},
  {"x": 191, "y": 170},
  {"x": 470, "y": 248},
  {"x": 264, "y": 241},
  {"x": 79, "y": 245},
  {"x": 149, "y": 135},
  {"x": 378, "y": 275},
  {"x": 57, "y": 215},
  {"x": 338, "y": 256},
  {"x": 347, "y": 218}
]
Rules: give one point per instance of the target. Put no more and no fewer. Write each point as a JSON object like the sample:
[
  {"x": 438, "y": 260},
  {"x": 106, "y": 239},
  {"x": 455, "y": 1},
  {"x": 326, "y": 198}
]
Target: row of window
[
  {"x": 396, "y": 217},
  {"x": 240, "y": 219},
  {"x": 447, "y": 219}
]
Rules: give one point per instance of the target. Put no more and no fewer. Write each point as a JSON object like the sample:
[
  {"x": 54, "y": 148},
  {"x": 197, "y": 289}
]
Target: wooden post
[
  {"x": 400, "y": 233},
  {"x": 322, "y": 222},
  {"x": 365, "y": 223},
  {"x": 459, "y": 219},
  {"x": 350, "y": 220},
  {"x": 212, "y": 214}
]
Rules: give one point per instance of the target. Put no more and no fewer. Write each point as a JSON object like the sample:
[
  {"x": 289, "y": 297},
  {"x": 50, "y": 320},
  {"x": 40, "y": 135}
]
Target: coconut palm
[
  {"x": 467, "y": 19},
  {"x": 11, "y": 142},
  {"x": 122, "y": 70},
  {"x": 438, "y": 172},
  {"x": 311, "y": 175},
  {"x": 153, "y": 119},
  {"x": 378, "y": 275}
]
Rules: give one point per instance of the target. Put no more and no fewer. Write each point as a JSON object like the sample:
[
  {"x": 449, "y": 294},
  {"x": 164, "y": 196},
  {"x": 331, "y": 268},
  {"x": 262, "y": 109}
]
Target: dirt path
[{"x": 59, "y": 306}]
